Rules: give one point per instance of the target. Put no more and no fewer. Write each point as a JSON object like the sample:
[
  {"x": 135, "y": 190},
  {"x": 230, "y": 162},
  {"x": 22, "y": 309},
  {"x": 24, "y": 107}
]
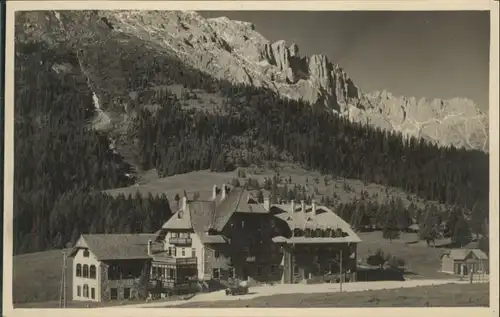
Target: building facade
[
  {"x": 110, "y": 267},
  {"x": 232, "y": 236},
  {"x": 209, "y": 243},
  {"x": 464, "y": 261}
]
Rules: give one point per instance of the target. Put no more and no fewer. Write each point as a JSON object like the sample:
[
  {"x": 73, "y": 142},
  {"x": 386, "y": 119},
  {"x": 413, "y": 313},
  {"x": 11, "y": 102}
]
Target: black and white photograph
[{"x": 247, "y": 158}]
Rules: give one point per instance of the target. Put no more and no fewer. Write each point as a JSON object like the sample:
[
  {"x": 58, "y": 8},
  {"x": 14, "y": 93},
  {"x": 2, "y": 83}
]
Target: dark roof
[
  {"x": 115, "y": 246},
  {"x": 226, "y": 208},
  {"x": 204, "y": 216}
]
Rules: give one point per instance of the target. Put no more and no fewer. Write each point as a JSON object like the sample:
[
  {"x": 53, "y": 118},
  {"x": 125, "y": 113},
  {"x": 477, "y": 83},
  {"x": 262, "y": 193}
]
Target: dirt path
[{"x": 300, "y": 289}]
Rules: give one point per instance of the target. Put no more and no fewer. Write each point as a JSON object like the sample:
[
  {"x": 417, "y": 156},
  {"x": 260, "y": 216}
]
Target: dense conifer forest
[{"x": 62, "y": 163}]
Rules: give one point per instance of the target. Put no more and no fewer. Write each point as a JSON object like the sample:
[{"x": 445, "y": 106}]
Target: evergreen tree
[{"x": 390, "y": 229}]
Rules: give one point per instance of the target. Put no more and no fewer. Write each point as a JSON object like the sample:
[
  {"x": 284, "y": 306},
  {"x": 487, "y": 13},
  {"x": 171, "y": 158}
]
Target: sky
[{"x": 421, "y": 54}]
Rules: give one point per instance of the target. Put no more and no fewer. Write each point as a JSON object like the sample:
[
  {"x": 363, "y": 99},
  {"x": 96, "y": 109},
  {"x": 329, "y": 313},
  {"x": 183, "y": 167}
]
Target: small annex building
[{"x": 463, "y": 261}]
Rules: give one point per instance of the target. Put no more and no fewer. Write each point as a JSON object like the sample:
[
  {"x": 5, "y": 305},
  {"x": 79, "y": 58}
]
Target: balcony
[
  {"x": 180, "y": 241},
  {"x": 165, "y": 259},
  {"x": 250, "y": 258}
]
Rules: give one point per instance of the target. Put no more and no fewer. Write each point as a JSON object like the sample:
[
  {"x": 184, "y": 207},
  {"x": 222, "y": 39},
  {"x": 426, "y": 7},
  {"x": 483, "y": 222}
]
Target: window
[
  {"x": 79, "y": 291},
  {"x": 174, "y": 251},
  {"x": 85, "y": 270},
  {"x": 114, "y": 293},
  {"x": 93, "y": 271},
  {"x": 193, "y": 252},
  {"x": 86, "y": 253},
  {"x": 216, "y": 254},
  {"x": 231, "y": 272},
  {"x": 332, "y": 267},
  {"x": 216, "y": 273},
  {"x": 86, "y": 291},
  {"x": 295, "y": 269},
  {"x": 174, "y": 234},
  {"x": 242, "y": 224},
  {"x": 273, "y": 269},
  {"x": 78, "y": 269},
  {"x": 126, "y": 293},
  {"x": 171, "y": 274},
  {"x": 183, "y": 252},
  {"x": 318, "y": 268},
  {"x": 259, "y": 270},
  {"x": 92, "y": 293}
]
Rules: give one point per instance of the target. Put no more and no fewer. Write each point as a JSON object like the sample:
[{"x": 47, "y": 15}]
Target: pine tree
[{"x": 390, "y": 229}]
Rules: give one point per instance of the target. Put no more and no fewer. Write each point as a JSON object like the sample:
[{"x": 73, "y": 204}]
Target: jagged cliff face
[{"x": 235, "y": 51}]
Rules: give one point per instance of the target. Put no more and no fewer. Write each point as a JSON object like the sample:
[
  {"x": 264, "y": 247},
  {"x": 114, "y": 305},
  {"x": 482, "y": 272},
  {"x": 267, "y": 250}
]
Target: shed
[{"x": 463, "y": 261}]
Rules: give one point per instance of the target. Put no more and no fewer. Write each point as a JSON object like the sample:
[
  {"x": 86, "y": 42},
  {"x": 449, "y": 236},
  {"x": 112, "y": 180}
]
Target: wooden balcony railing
[
  {"x": 180, "y": 241},
  {"x": 175, "y": 261},
  {"x": 250, "y": 258}
]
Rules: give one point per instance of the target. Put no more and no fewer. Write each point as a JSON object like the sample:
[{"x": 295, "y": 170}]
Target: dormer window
[{"x": 86, "y": 253}]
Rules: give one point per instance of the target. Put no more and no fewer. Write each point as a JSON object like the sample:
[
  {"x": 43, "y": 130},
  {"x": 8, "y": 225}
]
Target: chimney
[
  {"x": 214, "y": 192},
  {"x": 313, "y": 204},
  {"x": 223, "y": 192},
  {"x": 303, "y": 206},
  {"x": 184, "y": 203},
  {"x": 149, "y": 247},
  {"x": 293, "y": 205},
  {"x": 267, "y": 205}
]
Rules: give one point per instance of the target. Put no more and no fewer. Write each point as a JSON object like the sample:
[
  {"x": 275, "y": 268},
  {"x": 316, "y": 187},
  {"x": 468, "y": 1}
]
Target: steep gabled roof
[
  {"x": 462, "y": 254},
  {"x": 115, "y": 246},
  {"x": 179, "y": 220},
  {"x": 204, "y": 216},
  {"x": 226, "y": 208}
]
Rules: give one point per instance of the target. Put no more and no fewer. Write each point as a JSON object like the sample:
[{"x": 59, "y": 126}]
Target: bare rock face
[{"x": 235, "y": 51}]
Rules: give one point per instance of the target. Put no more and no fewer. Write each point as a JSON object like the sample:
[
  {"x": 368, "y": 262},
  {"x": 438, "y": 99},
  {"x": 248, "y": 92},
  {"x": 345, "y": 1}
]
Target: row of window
[
  {"x": 216, "y": 273},
  {"x": 86, "y": 272},
  {"x": 180, "y": 235},
  {"x": 114, "y": 293},
  {"x": 319, "y": 233},
  {"x": 319, "y": 269},
  {"x": 172, "y": 251},
  {"x": 164, "y": 272},
  {"x": 85, "y": 291}
]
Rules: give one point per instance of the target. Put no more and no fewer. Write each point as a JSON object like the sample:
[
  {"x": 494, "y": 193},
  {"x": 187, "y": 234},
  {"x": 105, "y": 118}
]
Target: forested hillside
[{"x": 62, "y": 163}]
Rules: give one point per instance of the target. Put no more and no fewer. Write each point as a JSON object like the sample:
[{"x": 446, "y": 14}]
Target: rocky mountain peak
[{"x": 236, "y": 51}]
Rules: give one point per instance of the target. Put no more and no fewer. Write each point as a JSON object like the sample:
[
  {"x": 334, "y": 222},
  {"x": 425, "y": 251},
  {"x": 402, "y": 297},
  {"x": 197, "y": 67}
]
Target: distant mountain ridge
[{"x": 235, "y": 51}]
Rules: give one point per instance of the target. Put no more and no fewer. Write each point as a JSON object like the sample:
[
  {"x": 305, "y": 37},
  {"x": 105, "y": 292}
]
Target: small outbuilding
[{"x": 463, "y": 261}]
